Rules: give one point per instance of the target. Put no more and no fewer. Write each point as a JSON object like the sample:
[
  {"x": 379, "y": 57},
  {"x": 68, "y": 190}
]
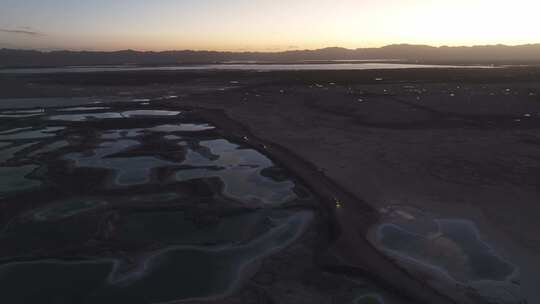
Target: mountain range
[{"x": 489, "y": 54}]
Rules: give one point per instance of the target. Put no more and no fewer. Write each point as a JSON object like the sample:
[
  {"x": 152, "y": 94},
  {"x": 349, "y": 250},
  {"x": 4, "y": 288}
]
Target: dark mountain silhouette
[{"x": 495, "y": 54}]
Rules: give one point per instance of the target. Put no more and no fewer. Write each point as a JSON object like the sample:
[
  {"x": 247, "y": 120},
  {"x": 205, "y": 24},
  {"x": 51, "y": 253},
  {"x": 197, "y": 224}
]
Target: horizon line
[{"x": 269, "y": 51}]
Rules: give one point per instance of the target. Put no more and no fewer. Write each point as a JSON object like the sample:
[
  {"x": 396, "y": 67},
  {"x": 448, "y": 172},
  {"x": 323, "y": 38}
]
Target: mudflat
[{"x": 426, "y": 181}]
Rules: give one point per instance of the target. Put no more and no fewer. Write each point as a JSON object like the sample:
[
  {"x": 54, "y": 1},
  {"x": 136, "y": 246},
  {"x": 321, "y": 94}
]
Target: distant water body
[{"x": 239, "y": 67}]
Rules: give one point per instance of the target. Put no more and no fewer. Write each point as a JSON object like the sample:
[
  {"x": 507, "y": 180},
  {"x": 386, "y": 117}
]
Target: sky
[{"x": 263, "y": 25}]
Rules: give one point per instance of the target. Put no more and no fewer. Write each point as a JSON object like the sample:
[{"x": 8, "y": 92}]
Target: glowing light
[{"x": 266, "y": 25}]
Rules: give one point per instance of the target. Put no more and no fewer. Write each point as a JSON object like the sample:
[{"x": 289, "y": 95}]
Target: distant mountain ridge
[{"x": 489, "y": 54}]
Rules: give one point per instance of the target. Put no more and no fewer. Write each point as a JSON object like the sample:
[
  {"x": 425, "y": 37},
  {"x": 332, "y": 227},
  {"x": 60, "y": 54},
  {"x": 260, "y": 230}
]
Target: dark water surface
[{"x": 134, "y": 204}]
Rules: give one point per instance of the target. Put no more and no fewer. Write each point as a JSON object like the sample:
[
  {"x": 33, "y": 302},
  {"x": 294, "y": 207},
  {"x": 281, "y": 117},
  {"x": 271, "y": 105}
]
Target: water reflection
[
  {"x": 174, "y": 273},
  {"x": 166, "y": 211},
  {"x": 82, "y": 109},
  {"x": 21, "y": 113},
  {"x": 182, "y": 128},
  {"x": 85, "y": 117},
  {"x": 18, "y": 133},
  {"x": 454, "y": 247},
  {"x": 15, "y": 179},
  {"x": 143, "y": 113},
  {"x": 127, "y": 171},
  {"x": 108, "y": 115},
  {"x": 240, "y": 168},
  {"x": 451, "y": 251},
  {"x": 245, "y": 67}
]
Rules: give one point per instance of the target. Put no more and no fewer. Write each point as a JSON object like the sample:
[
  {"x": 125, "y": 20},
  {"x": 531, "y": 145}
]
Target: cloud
[{"x": 21, "y": 32}]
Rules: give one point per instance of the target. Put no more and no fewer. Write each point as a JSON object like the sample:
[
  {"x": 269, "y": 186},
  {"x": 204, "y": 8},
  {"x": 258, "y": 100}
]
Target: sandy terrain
[{"x": 447, "y": 144}]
